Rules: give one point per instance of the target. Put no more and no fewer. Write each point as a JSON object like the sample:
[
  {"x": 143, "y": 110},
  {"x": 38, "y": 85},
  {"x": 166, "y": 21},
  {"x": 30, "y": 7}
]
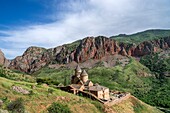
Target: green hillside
[
  {"x": 43, "y": 98},
  {"x": 133, "y": 77},
  {"x": 142, "y": 36},
  {"x": 16, "y": 75},
  {"x": 122, "y": 78}
]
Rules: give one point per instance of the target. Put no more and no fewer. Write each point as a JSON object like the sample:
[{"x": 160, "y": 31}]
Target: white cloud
[{"x": 81, "y": 18}]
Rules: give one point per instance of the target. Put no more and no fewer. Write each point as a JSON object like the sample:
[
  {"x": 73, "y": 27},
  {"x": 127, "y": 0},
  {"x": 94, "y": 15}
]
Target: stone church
[{"x": 80, "y": 81}]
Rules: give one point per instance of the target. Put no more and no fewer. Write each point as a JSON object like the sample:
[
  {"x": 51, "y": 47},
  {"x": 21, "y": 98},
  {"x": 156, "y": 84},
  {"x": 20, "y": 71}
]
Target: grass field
[{"x": 142, "y": 36}]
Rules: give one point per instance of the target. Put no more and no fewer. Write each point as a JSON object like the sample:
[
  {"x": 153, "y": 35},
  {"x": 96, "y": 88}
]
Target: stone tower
[
  {"x": 84, "y": 76},
  {"x": 78, "y": 71}
]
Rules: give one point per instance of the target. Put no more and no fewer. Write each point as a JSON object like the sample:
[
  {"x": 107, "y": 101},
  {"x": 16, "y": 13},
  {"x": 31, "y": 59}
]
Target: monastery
[{"x": 80, "y": 82}]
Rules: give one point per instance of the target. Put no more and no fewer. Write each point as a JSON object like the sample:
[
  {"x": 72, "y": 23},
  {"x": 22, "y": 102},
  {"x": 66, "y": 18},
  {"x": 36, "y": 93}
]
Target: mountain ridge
[{"x": 88, "y": 48}]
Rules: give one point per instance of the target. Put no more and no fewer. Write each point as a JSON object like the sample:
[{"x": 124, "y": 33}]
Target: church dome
[{"x": 84, "y": 73}]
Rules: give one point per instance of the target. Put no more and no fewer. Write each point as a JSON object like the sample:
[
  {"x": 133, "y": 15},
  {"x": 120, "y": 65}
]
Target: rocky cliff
[
  {"x": 3, "y": 60},
  {"x": 96, "y": 48},
  {"x": 35, "y": 58}
]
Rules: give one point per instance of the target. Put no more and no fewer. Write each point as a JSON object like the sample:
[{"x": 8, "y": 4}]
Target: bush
[
  {"x": 58, "y": 108},
  {"x": 48, "y": 81},
  {"x": 50, "y": 90},
  {"x": 16, "y": 106}
]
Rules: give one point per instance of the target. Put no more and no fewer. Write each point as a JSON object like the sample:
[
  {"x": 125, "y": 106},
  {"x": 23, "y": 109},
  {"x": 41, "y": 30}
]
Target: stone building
[
  {"x": 100, "y": 91},
  {"x": 80, "y": 81}
]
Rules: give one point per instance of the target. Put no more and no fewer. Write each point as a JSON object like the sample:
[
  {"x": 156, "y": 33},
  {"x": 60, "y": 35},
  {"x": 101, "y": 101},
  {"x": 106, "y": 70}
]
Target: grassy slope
[
  {"x": 142, "y": 36},
  {"x": 15, "y": 75},
  {"x": 72, "y": 46},
  {"x": 133, "y": 105},
  {"x": 41, "y": 99},
  {"x": 121, "y": 78},
  {"x": 117, "y": 78}
]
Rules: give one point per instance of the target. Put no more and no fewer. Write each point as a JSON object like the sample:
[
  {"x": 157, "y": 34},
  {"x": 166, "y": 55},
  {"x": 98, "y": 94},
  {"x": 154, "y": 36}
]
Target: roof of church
[
  {"x": 84, "y": 73},
  {"x": 78, "y": 69},
  {"x": 96, "y": 88}
]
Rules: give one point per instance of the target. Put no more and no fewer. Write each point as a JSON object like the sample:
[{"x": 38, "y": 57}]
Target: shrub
[
  {"x": 16, "y": 106},
  {"x": 50, "y": 90},
  {"x": 48, "y": 81},
  {"x": 58, "y": 108}
]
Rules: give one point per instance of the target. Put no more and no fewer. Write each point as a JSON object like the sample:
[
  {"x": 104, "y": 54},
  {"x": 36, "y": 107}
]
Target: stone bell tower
[
  {"x": 84, "y": 76},
  {"x": 78, "y": 71},
  {"x": 76, "y": 77}
]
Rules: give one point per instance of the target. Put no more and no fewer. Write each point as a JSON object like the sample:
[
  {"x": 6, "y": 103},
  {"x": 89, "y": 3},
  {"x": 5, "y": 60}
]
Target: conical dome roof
[
  {"x": 78, "y": 69},
  {"x": 84, "y": 73}
]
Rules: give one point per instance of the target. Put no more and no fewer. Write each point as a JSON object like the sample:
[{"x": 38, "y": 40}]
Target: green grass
[
  {"x": 120, "y": 78},
  {"x": 142, "y": 36},
  {"x": 41, "y": 98},
  {"x": 72, "y": 46},
  {"x": 15, "y": 75},
  {"x": 135, "y": 105},
  {"x": 57, "y": 76}
]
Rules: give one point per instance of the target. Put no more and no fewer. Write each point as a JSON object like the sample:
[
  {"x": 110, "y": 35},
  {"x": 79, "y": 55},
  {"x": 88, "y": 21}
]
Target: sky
[{"x": 50, "y": 23}]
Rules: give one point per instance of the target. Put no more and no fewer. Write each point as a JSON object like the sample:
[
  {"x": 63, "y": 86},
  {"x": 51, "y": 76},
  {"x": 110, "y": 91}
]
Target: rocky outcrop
[
  {"x": 89, "y": 48},
  {"x": 96, "y": 48},
  {"x": 148, "y": 47},
  {"x": 33, "y": 59},
  {"x": 3, "y": 60},
  {"x": 20, "y": 90}
]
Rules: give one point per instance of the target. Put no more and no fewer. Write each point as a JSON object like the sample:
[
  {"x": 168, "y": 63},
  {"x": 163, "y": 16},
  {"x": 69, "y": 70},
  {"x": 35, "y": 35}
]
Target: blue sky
[{"x": 50, "y": 23}]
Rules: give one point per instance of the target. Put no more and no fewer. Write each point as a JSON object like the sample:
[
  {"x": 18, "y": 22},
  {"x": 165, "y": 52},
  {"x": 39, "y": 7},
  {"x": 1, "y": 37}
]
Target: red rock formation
[
  {"x": 89, "y": 48},
  {"x": 33, "y": 59},
  {"x": 95, "y": 48}
]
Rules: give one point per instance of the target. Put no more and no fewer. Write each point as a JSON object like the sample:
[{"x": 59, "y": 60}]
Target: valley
[{"x": 138, "y": 64}]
